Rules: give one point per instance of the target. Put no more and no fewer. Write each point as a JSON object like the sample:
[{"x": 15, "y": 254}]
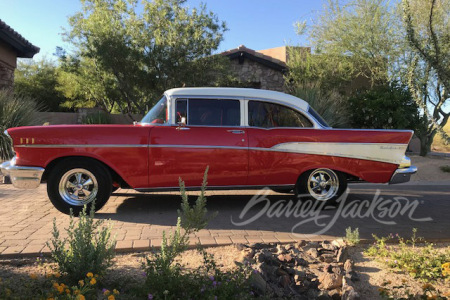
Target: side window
[
  {"x": 209, "y": 112},
  {"x": 265, "y": 114}
]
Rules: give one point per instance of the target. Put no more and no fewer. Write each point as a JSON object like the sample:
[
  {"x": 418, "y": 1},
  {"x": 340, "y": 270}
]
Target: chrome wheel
[
  {"x": 323, "y": 184},
  {"x": 78, "y": 187}
]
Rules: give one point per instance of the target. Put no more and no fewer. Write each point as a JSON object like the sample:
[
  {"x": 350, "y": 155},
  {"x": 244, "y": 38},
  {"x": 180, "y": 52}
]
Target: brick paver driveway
[{"x": 139, "y": 219}]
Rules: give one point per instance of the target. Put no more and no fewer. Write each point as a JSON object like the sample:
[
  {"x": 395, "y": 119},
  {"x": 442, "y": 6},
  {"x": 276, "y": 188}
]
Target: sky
[{"x": 257, "y": 24}]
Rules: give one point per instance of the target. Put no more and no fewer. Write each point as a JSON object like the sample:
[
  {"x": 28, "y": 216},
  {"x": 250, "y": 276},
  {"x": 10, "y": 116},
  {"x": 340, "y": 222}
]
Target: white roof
[{"x": 240, "y": 92}]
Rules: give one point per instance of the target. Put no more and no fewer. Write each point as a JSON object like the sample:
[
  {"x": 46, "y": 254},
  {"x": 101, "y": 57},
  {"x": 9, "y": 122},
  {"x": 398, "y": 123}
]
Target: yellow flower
[
  {"x": 67, "y": 291},
  {"x": 57, "y": 274},
  {"x": 106, "y": 293},
  {"x": 8, "y": 292},
  {"x": 89, "y": 275},
  {"x": 60, "y": 289},
  {"x": 55, "y": 285},
  {"x": 93, "y": 281},
  {"x": 81, "y": 283},
  {"x": 111, "y": 297},
  {"x": 446, "y": 266},
  {"x": 81, "y": 297},
  {"x": 116, "y": 292},
  {"x": 33, "y": 276},
  {"x": 76, "y": 292}
]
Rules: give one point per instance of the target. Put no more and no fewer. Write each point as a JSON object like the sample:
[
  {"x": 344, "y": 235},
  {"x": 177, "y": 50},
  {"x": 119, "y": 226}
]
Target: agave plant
[
  {"x": 331, "y": 105},
  {"x": 99, "y": 117},
  {"x": 15, "y": 110}
]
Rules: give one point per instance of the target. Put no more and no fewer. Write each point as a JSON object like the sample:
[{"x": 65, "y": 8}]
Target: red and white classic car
[{"x": 249, "y": 139}]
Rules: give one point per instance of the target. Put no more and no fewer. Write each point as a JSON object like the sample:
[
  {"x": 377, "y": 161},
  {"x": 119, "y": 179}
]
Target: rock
[
  {"x": 328, "y": 246},
  {"x": 342, "y": 255},
  {"x": 240, "y": 247},
  {"x": 313, "y": 252},
  {"x": 330, "y": 281},
  {"x": 285, "y": 258},
  {"x": 348, "y": 266},
  {"x": 245, "y": 255},
  {"x": 327, "y": 258},
  {"x": 300, "y": 262},
  {"x": 337, "y": 270},
  {"x": 339, "y": 243},
  {"x": 323, "y": 295},
  {"x": 281, "y": 249},
  {"x": 280, "y": 272},
  {"x": 258, "y": 283},
  {"x": 328, "y": 268},
  {"x": 284, "y": 280},
  {"x": 349, "y": 293},
  {"x": 259, "y": 246},
  {"x": 300, "y": 244}
]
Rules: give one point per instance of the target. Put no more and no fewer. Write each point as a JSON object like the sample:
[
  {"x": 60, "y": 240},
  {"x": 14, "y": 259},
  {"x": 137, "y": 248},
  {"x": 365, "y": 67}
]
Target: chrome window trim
[{"x": 82, "y": 146}]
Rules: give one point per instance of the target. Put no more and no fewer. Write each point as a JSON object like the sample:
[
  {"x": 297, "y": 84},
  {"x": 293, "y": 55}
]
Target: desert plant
[
  {"x": 15, "y": 110},
  {"x": 352, "y": 236},
  {"x": 445, "y": 169},
  {"x": 331, "y": 105},
  {"x": 89, "y": 246},
  {"x": 99, "y": 117}
]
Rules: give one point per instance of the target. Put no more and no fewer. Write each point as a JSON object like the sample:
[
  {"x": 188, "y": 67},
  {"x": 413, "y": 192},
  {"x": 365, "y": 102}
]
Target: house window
[{"x": 265, "y": 114}]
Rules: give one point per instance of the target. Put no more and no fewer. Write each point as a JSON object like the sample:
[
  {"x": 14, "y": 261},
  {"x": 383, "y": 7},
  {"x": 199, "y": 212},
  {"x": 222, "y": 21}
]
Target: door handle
[
  {"x": 236, "y": 131},
  {"x": 183, "y": 128}
]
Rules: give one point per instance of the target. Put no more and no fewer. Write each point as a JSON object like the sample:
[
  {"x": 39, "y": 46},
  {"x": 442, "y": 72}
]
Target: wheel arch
[{"x": 114, "y": 175}]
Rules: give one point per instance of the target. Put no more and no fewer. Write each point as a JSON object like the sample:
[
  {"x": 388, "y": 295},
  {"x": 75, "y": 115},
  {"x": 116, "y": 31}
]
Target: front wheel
[
  {"x": 75, "y": 183},
  {"x": 321, "y": 185}
]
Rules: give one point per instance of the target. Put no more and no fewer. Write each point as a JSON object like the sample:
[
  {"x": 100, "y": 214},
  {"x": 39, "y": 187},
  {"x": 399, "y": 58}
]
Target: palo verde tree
[
  {"x": 137, "y": 49},
  {"x": 427, "y": 25}
]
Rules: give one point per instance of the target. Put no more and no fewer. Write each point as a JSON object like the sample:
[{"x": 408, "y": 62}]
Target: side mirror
[{"x": 182, "y": 123}]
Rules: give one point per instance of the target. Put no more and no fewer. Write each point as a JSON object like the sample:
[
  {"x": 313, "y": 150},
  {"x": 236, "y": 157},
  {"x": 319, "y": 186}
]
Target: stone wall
[
  {"x": 261, "y": 76},
  {"x": 6, "y": 75}
]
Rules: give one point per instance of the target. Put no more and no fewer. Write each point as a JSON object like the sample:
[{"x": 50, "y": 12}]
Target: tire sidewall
[{"x": 101, "y": 174}]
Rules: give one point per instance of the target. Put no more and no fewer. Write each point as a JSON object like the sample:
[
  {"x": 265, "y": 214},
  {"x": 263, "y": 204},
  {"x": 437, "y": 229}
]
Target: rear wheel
[
  {"x": 321, "y": 185},
  {"x": 75, "y": 183}
]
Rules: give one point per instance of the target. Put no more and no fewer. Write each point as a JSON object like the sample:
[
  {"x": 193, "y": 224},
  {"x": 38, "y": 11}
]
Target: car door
[
  {"x": 212, "y": 136},
  {"x": 271, "y": 125}
]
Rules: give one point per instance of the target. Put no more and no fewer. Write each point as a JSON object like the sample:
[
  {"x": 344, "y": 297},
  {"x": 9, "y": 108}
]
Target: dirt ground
[
  {"x": 429, "y": 168},
  {"x": 372, "y": 273}
]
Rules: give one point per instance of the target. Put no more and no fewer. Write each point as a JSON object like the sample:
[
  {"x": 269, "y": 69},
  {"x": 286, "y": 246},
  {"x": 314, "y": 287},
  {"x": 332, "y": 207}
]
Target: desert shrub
[
  {"x": 330, "y": 104},
  {"x": 445, "y": 169},
  {"x": 352, "y": 236},
  {"x": 99, "y": 117},
  {"x": 89, "y": 246},
  {"x": 15, "y": 110},
  {"x": 425, "y": 263},
  {"x": 164, "y": 276}
]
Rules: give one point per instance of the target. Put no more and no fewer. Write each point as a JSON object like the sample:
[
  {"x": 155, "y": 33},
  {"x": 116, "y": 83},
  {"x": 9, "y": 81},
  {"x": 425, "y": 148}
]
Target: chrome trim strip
[
  {"x": 216, "y": 188},
  {"x": 82, "y": 146}
]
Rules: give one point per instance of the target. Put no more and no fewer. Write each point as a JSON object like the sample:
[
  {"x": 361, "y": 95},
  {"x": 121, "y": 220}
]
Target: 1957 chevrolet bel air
[{"x": 249, "y": 139}]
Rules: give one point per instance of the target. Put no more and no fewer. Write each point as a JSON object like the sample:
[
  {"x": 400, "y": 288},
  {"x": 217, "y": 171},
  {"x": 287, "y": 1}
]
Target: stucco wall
[
  {"x": 7, "y": 65},
  {"x": 250, "y": 71}
]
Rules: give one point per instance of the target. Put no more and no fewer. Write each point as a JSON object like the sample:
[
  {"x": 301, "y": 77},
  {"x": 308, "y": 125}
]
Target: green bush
[
  {"x": 385, "y": 107},
  {"x": 89, "y": 247},
  {"x": 425, "y": 263},
  {"x": 445, "y": 169},
  {"x": 352, "y": 236},
  {"x": 99, "y": 117},
  {"x": 15, "y": 110}
]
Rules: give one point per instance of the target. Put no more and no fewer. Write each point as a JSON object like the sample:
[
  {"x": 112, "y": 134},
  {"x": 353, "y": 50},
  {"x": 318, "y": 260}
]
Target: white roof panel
[{"x": 239, "y": 92}]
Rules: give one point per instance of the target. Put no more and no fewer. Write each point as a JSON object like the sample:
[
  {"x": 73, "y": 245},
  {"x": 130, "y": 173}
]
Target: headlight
[{"x": 406, "y": 162}]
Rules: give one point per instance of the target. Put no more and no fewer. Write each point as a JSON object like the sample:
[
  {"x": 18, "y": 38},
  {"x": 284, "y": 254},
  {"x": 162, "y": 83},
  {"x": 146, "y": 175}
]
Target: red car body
[{"x": 154, "y": 155}]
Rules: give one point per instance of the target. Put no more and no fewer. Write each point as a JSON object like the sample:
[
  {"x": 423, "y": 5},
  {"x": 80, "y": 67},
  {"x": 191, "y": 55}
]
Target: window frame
[
  {"x": 223, "y": 98},
  {"x": 294, "y": 108}
]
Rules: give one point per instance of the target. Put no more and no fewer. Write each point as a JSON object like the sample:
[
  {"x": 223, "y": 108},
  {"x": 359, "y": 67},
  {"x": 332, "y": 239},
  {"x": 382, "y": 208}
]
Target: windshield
[{"x": 158, "y": 114}]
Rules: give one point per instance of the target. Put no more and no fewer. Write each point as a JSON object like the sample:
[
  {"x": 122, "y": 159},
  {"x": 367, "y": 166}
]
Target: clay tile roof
[
  {"x": 11, "y": 37},
  {"x": 254, "y": 55}
]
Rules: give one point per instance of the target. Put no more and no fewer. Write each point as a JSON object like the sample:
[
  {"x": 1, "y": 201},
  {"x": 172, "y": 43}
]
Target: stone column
[{"x": 6, "y": 75}]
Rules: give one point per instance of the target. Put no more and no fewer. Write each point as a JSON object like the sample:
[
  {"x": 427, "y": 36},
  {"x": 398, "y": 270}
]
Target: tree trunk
[{"x": 425, "y": 142}]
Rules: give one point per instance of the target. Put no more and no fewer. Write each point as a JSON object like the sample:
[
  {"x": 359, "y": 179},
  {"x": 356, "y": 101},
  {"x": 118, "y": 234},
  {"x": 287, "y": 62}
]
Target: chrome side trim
[
  {"x": 402, "y": 175},
  {"x": 214, "y": 188},
  {"x": 81, "y": 146},
  {"x": 22, "y": 177}
]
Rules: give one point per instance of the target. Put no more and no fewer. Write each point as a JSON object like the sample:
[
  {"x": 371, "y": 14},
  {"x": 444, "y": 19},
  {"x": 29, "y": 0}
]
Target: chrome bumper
[
  {"x": 402, "y": 175},
  {"x": 22, "y": 177}
]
